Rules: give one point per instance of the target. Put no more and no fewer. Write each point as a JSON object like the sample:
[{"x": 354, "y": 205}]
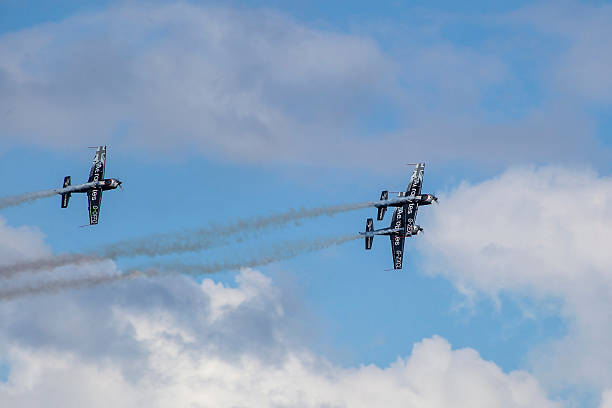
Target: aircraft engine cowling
[
  {"x": 427, "y": 199},
  {"x": 416, "y": 229},
  {"x": 110, "y": 184}
]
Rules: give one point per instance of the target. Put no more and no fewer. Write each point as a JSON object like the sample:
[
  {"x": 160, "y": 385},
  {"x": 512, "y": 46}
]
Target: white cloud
[
  {"x": 257, "y": 85},
  {"x": 543, "y": 233},
  {"x": 224, "y": 299},
  {"x": 173, "y": 342},
  {"x": 182, "y": 364},
  {"x": 242, "y": 84},
  {"x": 20, "y": 243},
  {"x": 582, "y": 69},
  {"x": 606, "y": 399}
]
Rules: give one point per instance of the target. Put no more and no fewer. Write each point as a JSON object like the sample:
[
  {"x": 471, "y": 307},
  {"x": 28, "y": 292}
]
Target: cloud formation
[
  {"x": 173, "y": 342},
  {"x": 170, "y": 341},
  {"x": 262, "y": 87},
  {"x": 546, "y": 236},
  {"x": 248, "y": 85},
  {"x": 582, "y": 71}
]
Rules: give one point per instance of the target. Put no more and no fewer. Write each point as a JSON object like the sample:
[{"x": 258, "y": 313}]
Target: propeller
[{"x": 120, "y": 184}]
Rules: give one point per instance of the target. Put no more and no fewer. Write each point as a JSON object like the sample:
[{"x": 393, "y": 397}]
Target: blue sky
[{"x": 220, "y": 110}]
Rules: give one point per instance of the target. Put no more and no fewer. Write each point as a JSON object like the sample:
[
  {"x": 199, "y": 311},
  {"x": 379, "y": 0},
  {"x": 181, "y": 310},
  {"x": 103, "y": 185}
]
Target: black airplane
[
  {"x": 403, "y": 222},
  {"x": 94, "y": 186}
]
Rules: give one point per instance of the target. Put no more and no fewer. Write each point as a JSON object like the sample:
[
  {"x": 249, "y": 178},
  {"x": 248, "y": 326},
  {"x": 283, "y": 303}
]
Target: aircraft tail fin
[
  {"x": 66, "y": 196},
  {"x": 381, "y": 210},
  {"x": 369, "y": 228}
]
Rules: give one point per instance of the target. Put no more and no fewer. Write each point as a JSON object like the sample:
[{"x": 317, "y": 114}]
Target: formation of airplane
[
  {"x": 94, "y": 187},
  {"x": 404, "y": 217},
  {"x": 403, "y": 224}
]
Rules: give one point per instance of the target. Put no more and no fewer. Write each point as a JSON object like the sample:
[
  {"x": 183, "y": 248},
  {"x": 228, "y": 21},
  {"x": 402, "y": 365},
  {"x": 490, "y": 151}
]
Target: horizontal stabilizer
[
  {"x": 369, "y": 228},
  {"x": 65, "y": 199},
  {"x": 381, "y": 210},
  {"x": 66, "y": 196}
]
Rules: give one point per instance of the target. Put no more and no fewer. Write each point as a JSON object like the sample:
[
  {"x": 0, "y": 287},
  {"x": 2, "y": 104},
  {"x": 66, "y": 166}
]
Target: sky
[{"x": 215, "y": 112}]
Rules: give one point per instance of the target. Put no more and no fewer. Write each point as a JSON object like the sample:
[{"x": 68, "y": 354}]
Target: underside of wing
[
  {"x": 397, "y": 248},
  {"x": 416, "y": 180},
  {"x": 410, "y": 216},
  {"x": 398, "y": 222},
  {"x": 97, "y": 168},
  {"x": 95, "y": 201}
]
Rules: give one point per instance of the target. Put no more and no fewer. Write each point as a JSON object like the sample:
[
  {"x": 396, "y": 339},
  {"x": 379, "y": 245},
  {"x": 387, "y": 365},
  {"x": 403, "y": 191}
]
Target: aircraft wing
[
  {"x": 97, "y": 168},
  {"x": 397, "y": 239},
  {"x": 416, "y": 181},
  {"x": 397, "y": 247},
  {"x": 410, "y": 216},
  {"x": 94, "y": 198}
]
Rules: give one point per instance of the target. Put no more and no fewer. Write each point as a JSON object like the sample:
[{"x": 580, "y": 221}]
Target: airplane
[
  {"x": 94, "y": 187},
  {"x": 403, "y": 223},
  {"x": 412, "y": 194}
]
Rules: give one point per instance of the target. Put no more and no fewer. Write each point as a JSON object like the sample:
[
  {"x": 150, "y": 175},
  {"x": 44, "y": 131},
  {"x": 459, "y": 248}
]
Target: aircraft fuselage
[
  {"x": 422, "y": 199},
  {"x": 106, "y": 184},
  {"x": 391, "y": 231}
]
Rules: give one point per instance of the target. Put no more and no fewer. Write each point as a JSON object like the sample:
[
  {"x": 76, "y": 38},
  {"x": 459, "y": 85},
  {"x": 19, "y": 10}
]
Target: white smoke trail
[
  {"x": 280, "y": 252},
  {"x": 12, "y": 201},
  {"x": 64, "y": 284},
  {"x": 190, "y": 240}
]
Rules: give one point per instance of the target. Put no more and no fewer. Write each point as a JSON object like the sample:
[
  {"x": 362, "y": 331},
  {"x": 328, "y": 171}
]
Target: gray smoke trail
[
  {"x": 203, "y": 238},
  {"x": 61, "y": 285},
  {"x": 184, "y": 241},
  {"x": 12, "y": 201},
  {"x": 191, "y": 240},
  {"x": 48, "y": 263},
  {"x": 281, "y": 252}
]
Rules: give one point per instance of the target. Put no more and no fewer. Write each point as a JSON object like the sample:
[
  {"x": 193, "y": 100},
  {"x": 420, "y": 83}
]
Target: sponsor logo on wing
[
  {"x": 418, "y": 180},
  {"x": 398, "y": 218},
  {"x": 410, "y": 206},
  {"x": 98, "y": 167},
  {"x": 94, "y": 214},
  {"x": 409, "y": 226}
]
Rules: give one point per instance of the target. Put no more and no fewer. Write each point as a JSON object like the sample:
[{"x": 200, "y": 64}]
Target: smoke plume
[
  {"x": 12, "y": 201},
  {"x": 280, "y": 252},
  {"x": 183, "y": 241}
]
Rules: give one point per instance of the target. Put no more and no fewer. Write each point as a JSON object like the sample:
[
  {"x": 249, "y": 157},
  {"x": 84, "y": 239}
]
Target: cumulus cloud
[
  {"x": 257, "y": 85},
  {"x": 175, "y": 342},
  {"x": 253, "y": 85},
  {"x": 172, "y": 341},
  {"x": 539, "y": 232},
  {"x": 20, "y": 243},
  {"x": 606, "y": 401},
  {"x": 583, "y": 68}
]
